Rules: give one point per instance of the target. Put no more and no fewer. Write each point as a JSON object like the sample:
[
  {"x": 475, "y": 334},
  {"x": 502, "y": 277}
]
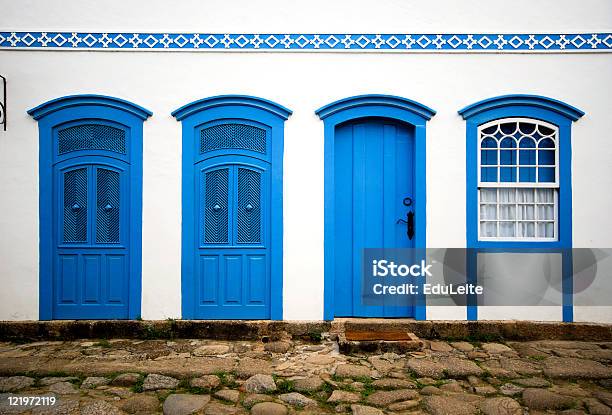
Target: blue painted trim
[
  {"x": 444, "y": 42},
  {"x": 378, "y": 100},
  {"x": 530, "y": 106},
  {"x": 374, "y": 105},
  {"x": 81, "y": 108},
  {"x": 221, "y": 100},
  {"x": 567, "y": 285},
  {"x": 211, "y": 109},
  {"x": 535, "y": 101},
  {"x": 472, "y": 301},
  {"x": 88, "y": 99}
]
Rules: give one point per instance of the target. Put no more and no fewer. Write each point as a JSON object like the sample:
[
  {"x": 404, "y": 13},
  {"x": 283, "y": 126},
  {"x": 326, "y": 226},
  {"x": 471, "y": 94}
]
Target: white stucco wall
[{"x": 161, "y": 82}]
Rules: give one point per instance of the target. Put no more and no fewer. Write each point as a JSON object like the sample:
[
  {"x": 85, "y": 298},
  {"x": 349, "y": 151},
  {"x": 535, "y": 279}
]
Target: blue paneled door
[
  {"x": 232, "y": 203},
  {"x": 232, "y": 261},
  {"x": 92, "y": 256},
  {"x": 373, "y": 175}
]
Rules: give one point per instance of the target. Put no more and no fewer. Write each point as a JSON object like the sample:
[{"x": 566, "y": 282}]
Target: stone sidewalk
[{"x": 289, "y": 377}]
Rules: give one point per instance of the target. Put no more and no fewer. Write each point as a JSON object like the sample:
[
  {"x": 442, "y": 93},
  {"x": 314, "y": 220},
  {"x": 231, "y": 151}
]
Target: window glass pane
[
  {"x": 546, "y": 212},
  {"x": 546, "y": 143},
  {"x": 507, "y": 211},
  {"x": 546, "y": 230},
  {"x": 546, "y": 174},
  {"x": 507, "y": 157},
  {"x": 488, "y": 157},
  {"x": 546, "y": 157},
  {"x": 488, "y": 229},
  {"x": 508, "y": 143},
  {"x": 488, "y": 195},
  {"x": 508, "y": 128},
  {"x": 507, "y": 174},
  {"x": 527, "y": 142},
  {"x": 506, "y": 229},
  {"x": 490, "y": 130},
  {"x": 507, "y": 195},
  {"x": 525, "y": 195},
  {"x": 526, "y": 212},
  {"x": 546, "y": 195},
  {"x": 488, "y": 174},
  {"x": 527, "y": 174},
  {"x": 527, "y": 157},
  {"x": 526, "y": 229},
  {"x": 488, "y": 143},
  {"x": 545, "y": 130},
  {"x": 527, "y": 128},
  {"x": 488, "y": 212}
]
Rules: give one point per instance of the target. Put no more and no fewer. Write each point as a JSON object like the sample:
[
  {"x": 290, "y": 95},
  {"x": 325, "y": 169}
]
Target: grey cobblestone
[{"x": 282, "y": 377}]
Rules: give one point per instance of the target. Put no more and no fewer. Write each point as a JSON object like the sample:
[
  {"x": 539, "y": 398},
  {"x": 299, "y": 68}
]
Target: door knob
[
  {"x": 216, "y": 207},
  {"x": 108, "y": 207},
  {"x": 76, "y": 207},
  {"x": 249, "y": 207}
]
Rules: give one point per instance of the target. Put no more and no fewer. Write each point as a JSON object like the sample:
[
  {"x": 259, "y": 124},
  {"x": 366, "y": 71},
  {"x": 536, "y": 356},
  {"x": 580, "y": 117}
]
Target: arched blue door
[
  {"x": 91, "y": 218},
  {"x": 233, "y": 212},
  {"x": 382, "y": 141},
  {"x": 90, "y": 207},
  {"x": 232, "y": 227},
  {"x": 374, "y": 173}
]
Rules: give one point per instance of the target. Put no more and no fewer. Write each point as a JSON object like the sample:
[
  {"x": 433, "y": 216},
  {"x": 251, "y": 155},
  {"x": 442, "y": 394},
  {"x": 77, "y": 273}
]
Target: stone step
[
  {"x": 382, "y": 341},
  {"x": 388, "y": 335}
]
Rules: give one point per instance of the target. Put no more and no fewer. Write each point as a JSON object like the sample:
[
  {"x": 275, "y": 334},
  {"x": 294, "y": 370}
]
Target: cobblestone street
[{"x": 284, "y": 377}]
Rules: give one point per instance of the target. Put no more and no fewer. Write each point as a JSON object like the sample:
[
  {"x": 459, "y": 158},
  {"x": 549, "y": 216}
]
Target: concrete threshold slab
[{"x": 306, "y": 330}]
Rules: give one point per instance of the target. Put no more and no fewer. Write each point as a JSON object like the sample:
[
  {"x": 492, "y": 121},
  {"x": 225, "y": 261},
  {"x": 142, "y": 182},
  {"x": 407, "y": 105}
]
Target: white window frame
[{"x": 534, "y": 185}]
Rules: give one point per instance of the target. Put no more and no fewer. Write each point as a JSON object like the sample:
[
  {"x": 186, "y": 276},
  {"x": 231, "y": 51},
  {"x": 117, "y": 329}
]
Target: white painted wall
[
  {"x": 314, "y": 16},
  {"x": 303, "y": 82}
]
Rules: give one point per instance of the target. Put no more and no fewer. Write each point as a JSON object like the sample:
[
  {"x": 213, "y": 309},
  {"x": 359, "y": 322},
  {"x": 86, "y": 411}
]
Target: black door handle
[{"x": 410, "y": 225}]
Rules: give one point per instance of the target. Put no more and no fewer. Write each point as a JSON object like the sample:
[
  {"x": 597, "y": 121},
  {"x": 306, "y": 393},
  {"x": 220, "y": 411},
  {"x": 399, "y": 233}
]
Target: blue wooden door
[
  {"x": 232, "y": 252},
  {"x": 91, "y": 224},
  {"x": 373, "y": 174}
]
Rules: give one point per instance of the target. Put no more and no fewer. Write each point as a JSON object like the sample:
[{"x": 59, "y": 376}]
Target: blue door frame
[
  {"x": 245, "y": 110},
  {"x": 98, "y": 110},
  {"x": 541, "y": 108},
  {"x": 365, "y": 106}
]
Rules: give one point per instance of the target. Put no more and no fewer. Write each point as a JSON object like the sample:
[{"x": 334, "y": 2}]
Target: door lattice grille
[
  {"x": 216, "y": 204},
  {"x": 108, "y": 206},
  {"x": 75, "y": 206},
  {"x": 240, "y": 136},
  {"x": 249, "y": 206},
  {"x": 91, "y": 137}
]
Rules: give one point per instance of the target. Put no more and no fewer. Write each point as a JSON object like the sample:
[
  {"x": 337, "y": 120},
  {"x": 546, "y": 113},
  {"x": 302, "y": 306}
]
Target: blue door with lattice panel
[
  {"x": 90, "y": 207},
  {"x": 91, "y": 180},
  {"x": 232, "y": 206},
  {"x": 233, "y": 198}
]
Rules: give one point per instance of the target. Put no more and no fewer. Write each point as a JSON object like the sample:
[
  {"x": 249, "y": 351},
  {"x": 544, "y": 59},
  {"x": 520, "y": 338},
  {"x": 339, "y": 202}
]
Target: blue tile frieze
[{"x": 309, "y": 42}]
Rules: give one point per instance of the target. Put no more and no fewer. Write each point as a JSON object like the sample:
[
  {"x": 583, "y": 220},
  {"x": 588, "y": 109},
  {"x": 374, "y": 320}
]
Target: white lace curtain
[{"x": 517, "y": 212}]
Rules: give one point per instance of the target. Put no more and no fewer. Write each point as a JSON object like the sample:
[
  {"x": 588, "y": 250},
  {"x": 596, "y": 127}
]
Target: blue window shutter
[
  {"x": 108, "y": 203},
  {"x": 216, "y": 191},
  {"x": 249, "y": 206},
  {"x": 75, "y": 205}
]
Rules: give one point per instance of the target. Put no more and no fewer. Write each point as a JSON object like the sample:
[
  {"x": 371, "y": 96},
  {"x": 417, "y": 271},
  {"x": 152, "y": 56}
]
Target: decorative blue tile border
[{"x": 309, "y": 42}]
